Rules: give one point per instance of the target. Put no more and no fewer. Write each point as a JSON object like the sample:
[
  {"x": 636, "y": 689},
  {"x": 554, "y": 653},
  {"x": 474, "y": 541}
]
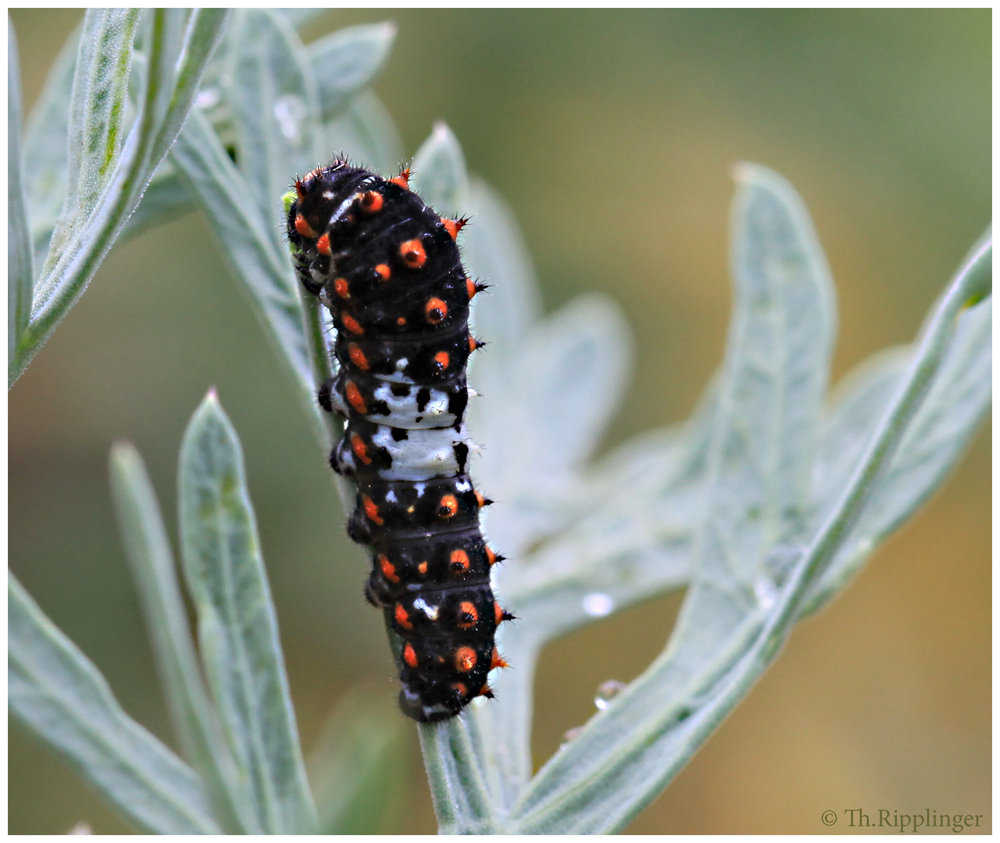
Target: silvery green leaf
[
  {"x": 249, "y": 248},
  {"x": 856, "y": 406},
  {"x": 91, "y": 221},
  {"x": 570, "y": 370},
  {"x": 763, "y": 430},
  {"x": 439, "y": 174},
  {"x": 576, "y": 366},
  {"x": 365, "y": 134},
  {"x": 202, "y": 35},
  {"x": 358, "y": 766},
  {"x": 47, "y": 137},
  {"x": 96, "y": 122},
  {"x": 275, "y": 108},
  {"x": 237, "y": 628},
  {"x": 56, "y": 692},
  {"x": 494, "y": 252},
  {"x": 165, "y": 199},
  {"x": 634, "y": 540},
  {"x": 958, "y": 399},
  {"x": 151, "y": 561},
  {"x": 300, "y": 17},
  {"x": 20, "y": 272},
  {"x": 347, "y": 61}
]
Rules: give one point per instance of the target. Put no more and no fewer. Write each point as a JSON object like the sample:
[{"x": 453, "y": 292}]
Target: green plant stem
[{"x": 461, "y": 801}]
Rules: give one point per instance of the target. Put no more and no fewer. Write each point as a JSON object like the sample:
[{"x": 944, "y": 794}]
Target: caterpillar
[{"x": 388, "y": 269}]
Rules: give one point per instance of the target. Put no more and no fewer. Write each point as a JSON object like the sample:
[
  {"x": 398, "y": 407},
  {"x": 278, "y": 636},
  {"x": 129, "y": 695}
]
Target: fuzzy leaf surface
[
  {"x": 151, "y": 561},
  {"x": 57, "y": 693},
  {"x": 237, "y": 627}
]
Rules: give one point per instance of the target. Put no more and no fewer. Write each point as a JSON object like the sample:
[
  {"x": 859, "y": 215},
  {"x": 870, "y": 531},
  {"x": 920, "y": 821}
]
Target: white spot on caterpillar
[
  {"x": 463, "y": 486},
  {"x": 430, "y": 611},
  {"x": 390, "y": 496}
]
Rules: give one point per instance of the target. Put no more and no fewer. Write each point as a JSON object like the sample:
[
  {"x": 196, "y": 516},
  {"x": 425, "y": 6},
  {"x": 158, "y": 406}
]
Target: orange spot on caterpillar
[
  {"x": 383, "y": 271},
  {"x": 436, "y": 310},
  {"x": 357, "y": 356},
  {"x": 387, "y": 568},
  {"x": 453, "y": 226},
  {"x": 401, "y": 321},
  {"x": 354, "y": 397},
  {"x": 482, "y": 501},
  {"x": 465, "y": 659},
  {"x": 402, "y": 618},
  {"x": 460, "y": 561},
  {"x": 403, "y": 179},
  {"x": 448, "y": 506},
  {"x": 409, "y": 655},
  {"x": 303, "y": 227},
  {"x": 467, "y": 615},
  {"x": 486, "y": 691},
  {"x": 323, "y": 244},
  {"x": 413, "y": 254},
  {"x": 371, "y": 202},
  {"x": 360, "y": 449},
  {"x": 496, "y": 661},
  {"x": 473, "y": 343},
  {"x": 422, "y": 567},
  {"x": 352, "y": 324},
  {"x": 460, "y": 688},
  {"x": 471, "y": 287},
  {"x": 442, "y": 359},
  {"x": 300, "y": 189},
  {"x": 342, "y": 289},
  {"x": 371, "y": 510}
]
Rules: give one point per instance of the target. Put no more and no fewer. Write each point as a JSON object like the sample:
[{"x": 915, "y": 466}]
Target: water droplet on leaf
[
  {"x": 606, "y": 692},
  {"x": 571, "y": 734},
  {"x": 290, "y": 111},
  {"x": 598, "y": 605},
  {"x": 208, "y": 98}
]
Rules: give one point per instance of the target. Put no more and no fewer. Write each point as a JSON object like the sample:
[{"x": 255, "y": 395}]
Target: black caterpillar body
[{"x": 388, "y": 269}]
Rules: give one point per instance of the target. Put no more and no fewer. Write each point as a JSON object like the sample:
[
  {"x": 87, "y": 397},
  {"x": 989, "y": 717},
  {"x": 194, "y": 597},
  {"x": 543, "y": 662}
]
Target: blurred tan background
[{"x": 611, "y": 134}]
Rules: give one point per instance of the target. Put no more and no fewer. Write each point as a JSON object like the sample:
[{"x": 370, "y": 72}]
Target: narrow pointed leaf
[
  {"x": 249, "y": 249},
  {"x": 148, "y": 551},
  {"x": 365, "y": 131},
  {"x": 494, "y": 252},
  {"x": 47, "y": 136},
  {"x": 96, "y": 123},
  {"x": 358, "y": 768},
  {"x": 951, "y": 413},
  {"x": 348, "y": 61},
  {"x": 275, "y": 109},
  {"x": 764, "y": 430},
  {"x": 203, "y": 32},
  {"x": 20, "y": 272},
  {"x": 575, "y": 366},
  {"x": 439, "y": 175},
  {"x": 56, "y": 692},
  {"x": 237, "y": 627},
  {"x": 78, "y": 247}
]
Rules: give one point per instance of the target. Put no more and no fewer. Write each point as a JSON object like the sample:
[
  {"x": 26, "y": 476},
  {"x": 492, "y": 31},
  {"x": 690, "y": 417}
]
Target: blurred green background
[{"x": 612, "y": 135}]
